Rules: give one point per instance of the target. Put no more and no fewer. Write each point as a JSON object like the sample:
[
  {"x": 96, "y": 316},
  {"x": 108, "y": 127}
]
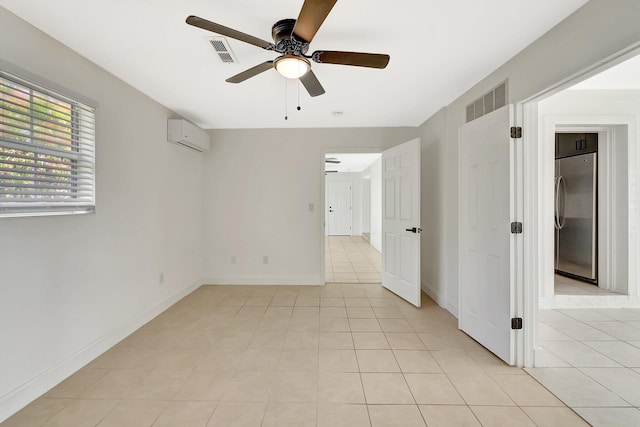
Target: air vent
[
  {"x": 222, "y": 48},
  {"x": 492, "y": 100}
]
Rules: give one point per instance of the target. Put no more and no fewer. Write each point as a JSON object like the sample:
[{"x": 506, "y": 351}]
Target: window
[{"x": 47, "y": 151}]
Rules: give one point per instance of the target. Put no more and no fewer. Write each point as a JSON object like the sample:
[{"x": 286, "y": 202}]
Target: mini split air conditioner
[{"x": 182, "y": 132}]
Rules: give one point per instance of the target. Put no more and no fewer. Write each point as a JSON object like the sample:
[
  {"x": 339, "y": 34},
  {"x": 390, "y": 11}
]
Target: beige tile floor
[
  {"x": 338, "y": 355},
  {"x": 593, "y": 359},
  {"x": 567, "y": 286},
  {"x": 351, "y": 259}
]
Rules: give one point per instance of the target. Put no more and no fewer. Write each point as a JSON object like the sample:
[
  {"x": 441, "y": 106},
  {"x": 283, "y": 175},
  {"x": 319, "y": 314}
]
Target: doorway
[
  {"x": 353, "y": 218},
  {"x": 395, "y": 218},
  {"x": 591, "y": 199},
  {"x": 606, "y": 103}
]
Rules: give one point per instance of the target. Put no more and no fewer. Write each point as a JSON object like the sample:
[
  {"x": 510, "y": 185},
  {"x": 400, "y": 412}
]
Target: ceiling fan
[
  {"x": 291, "y": 40},
  {"x": 331, "y": 160}
]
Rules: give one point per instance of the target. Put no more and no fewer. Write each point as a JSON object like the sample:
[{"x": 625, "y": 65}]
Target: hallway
[{"x": 351, "y": 259}]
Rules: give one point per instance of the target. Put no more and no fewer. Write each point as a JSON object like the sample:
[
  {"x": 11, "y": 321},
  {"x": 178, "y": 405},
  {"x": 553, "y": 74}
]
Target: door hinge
[
  {"x": 516, "y": 228},
  {"x": 516, "y": 323},
  {"x": 516, "y": 132}
]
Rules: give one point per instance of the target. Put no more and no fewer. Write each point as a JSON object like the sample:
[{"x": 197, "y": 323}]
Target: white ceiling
[
  {"x": 351, "y": 162},
  {"x": 439, "y": 49},
  {"x": 625, "y": 75}
]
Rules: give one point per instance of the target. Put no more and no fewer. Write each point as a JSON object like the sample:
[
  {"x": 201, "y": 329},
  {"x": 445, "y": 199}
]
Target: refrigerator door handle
[
  {"x": 555, "y": 207},
  {"x": 560, "y": 199}
]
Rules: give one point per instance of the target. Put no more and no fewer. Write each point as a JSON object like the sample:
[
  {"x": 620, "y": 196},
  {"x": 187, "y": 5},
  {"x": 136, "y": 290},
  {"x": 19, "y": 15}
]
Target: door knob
[{"x": 414, "y": 230}]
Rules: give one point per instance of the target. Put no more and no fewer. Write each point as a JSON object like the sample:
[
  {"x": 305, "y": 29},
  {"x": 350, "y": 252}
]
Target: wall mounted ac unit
[{"x": 182, "y": 132}]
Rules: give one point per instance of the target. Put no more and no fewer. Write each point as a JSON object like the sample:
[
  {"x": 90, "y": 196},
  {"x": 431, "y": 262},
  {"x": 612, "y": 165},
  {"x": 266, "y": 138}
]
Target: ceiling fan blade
[
  {"x": 311, "y": 17},
  {"x": 311, "y": 84},
  {"x": 251, "y": 72},
  {"x": 358, "y": 59},
  {"x": 229, "y": 32}
]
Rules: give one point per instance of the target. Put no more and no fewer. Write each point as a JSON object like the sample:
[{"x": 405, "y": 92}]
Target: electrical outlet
[
  {"x": 161, "y": 279},
  {"x": 233, "y": 259},
  {"x": 265, "y": 259}
]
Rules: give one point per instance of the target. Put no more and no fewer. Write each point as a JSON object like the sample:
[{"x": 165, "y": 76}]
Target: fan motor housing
[{"x": 285, "y": 41}]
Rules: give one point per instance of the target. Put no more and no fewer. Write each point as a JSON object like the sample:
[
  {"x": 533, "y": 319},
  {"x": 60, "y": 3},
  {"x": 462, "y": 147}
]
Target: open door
[
  {"x": 401, "y": 220},
  {"x": 487, "y": 200}
]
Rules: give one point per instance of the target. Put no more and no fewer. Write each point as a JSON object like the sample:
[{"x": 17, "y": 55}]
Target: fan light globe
[{"x": 292, "y": 67}]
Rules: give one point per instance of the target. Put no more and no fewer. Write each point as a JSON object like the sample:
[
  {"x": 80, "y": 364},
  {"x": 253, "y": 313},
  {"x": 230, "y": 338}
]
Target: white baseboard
[
  {"x": 435, "y": 295},
  {"x": 24, "y": 394},
  {"x": 453, "y": 310},
  {"x": 266, "y": 281},
  {"x": 438, "y": 298}
]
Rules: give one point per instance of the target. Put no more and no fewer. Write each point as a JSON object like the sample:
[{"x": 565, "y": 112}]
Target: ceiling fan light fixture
[{"x": 292, "y": 66}]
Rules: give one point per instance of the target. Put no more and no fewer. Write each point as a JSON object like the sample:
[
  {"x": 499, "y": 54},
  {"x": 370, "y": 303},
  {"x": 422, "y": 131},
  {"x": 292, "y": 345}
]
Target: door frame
[
  {"x": 535, "y": 193},
  {"x": 323, "y": 196}
]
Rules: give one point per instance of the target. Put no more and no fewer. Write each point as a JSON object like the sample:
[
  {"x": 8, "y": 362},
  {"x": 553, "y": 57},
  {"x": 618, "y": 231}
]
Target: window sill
[{"x": 9, "y": 214}]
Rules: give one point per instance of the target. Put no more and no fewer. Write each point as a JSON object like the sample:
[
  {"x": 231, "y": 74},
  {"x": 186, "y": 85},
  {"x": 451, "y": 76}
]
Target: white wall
[
  {"x": 72, "y": 286},
  {"x": 258, "y": 187},
  {"x": 374, "y": 172},
  {"x": 432, "y": 209},
  {"x": 356, "y": 197},
  {"x": 617, "y": 111},
  {"x": 578, "y": 42},
  {"x": 366, "y": 204}
]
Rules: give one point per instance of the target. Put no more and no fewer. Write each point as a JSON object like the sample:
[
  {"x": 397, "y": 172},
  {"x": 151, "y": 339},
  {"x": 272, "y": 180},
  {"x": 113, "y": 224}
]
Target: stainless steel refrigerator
[{"x": 576, "y": 205}]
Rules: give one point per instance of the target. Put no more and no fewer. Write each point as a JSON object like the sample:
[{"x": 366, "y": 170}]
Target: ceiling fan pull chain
[
  {"x": 299, "y": 108},
  {"x": 286, "y": 116}
]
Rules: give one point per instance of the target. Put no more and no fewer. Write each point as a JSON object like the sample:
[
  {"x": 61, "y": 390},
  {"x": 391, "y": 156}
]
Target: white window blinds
[{"x": 47, "y": 151}]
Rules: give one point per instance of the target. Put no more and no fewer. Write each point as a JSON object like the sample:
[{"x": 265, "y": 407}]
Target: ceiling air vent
[{"x": 222, "y": 48}]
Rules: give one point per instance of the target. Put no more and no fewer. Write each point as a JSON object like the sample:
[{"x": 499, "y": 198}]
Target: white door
[
  {"x": 401, "y": 220},
  {"x": 339, "y": 208},
  {"x": 486, "y": 194}
]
